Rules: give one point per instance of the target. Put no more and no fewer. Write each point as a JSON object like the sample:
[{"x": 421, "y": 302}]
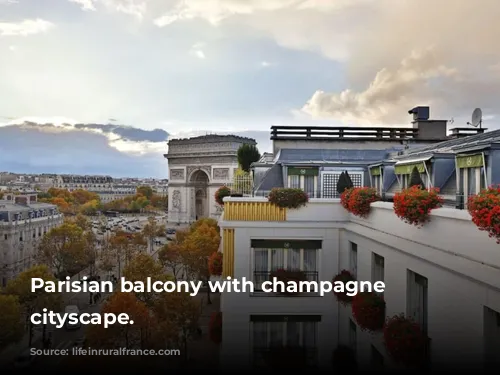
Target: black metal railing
[
  {"x": 348, "y": 133},
  {"x": 262, "y": 276},
  {"x": 321, "y": 193}
]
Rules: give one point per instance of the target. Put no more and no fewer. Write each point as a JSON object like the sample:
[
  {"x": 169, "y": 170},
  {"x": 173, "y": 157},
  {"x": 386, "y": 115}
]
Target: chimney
[{"x": 428, "y": 129}]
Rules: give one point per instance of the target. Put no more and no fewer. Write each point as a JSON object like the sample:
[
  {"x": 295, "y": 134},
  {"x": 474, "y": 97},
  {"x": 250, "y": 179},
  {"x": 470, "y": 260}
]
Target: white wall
[{"x": 461, "y": 263}]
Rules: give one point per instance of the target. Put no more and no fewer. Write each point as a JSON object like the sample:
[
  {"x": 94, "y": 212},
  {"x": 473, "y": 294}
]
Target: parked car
[{"x": 170, "y": 231}]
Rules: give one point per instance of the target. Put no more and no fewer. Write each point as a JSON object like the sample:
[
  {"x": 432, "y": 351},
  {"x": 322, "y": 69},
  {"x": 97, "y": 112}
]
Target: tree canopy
[{"x": 247, "y": 154}]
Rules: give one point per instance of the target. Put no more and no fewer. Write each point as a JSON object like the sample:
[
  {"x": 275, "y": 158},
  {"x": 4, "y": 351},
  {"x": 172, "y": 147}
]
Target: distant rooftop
[{"x": 213, "y": 138}]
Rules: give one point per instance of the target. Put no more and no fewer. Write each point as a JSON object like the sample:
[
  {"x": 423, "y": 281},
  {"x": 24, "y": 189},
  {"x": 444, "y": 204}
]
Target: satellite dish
[{"x": 477, "y": 117}]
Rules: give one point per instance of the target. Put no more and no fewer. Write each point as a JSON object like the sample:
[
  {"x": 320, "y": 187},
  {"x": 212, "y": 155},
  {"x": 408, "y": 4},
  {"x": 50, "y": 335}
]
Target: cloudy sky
[{"x": 197, "y": 66}]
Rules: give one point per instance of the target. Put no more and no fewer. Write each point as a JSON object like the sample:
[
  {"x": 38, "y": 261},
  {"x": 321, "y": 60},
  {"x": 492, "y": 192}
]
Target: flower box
[
  {"x": 368, "y": 309},
  {"x": 405, "y": 341},
  {"x": 344, "y": 276},
  {"x": 215, "y": 264},
  {"x": 357, "y": 200},
  {"x": 288, "y": 277},
  {"x": 221, "y": 193},
  {"x": 215, "y": 327},
  {"x": 413, "y": 205},
  {"x": 485, "y": 211},
  {"x": 288, "y": 198}
]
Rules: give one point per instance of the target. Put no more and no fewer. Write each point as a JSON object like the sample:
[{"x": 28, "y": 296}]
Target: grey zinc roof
[
  {"x": 273, "y": 178},
  {"x": 325, "y": 155},
  {"x": 458, "y": 144}
]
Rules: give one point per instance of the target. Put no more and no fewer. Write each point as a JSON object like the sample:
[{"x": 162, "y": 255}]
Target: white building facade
[
  {"x": 444, "y": 275},
  {"x": 23, "y": 223},
  {"x": 198, "y": 167}
]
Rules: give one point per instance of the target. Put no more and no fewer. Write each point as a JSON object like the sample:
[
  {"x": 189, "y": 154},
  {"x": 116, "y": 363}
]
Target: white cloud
[
  {"x": 25, "y": 27},
  {"x": 85, "y": 4},
  {"x": 136, "y": 8},
  {"x": 267, "y": 64},
  {"x": 196, "y": 51},
  {"x": 8, "y": 2}
]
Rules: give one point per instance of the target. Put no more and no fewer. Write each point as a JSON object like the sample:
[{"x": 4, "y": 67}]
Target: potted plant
[
  {"x": 405, "y": 341},
  {"x": 288, "y": 197},
  {"x": 360, "y": 200},
  {"x": 485, "y": 211},
  {"x": 215, "y": 327},
  {"x": 344, "y": 198},
  {"x": 215, "y": 264},
  {"x": 344, "y": 276},
  {"x": 368, "y": 309},
  {"x": 288, "y": 277},
  {"x": 413, "y": 205},
  {"x": 221, "y": 193},
  {"x": 344, "y": 358}
]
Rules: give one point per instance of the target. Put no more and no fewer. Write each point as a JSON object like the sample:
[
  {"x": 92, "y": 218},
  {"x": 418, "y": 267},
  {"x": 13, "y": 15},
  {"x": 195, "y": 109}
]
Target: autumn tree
[
  {"x": 140, "y": 268},
  {"x": 122, "y": 335},
  {"x": 206, "y": 220},
  {"x": 151, "y": 231},
  {"x": 121, "y": 249},
  {"x": 11, "y": 323},
  {"x": 33, "y": 302},
  {"x": 179, "y": 315},
  {"x": 170, "y": 256},
  {"x": 146, "y": 191},
  {"x": 65, "y": 250},
  {"x": 197, "y": 248}
]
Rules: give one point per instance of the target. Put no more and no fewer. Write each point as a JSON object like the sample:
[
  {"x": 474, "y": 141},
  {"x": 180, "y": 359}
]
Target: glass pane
[
  {"x": 277, "y": 259},
  {"x": 292, "y": 334},
  {"x": 309, "y": 186},
  {"x": 293, "y": 259}
]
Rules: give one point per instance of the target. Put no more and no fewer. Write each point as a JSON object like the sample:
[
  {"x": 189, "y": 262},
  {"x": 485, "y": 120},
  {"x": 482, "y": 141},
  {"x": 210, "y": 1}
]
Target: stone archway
[{"x": 200, "y": 180}]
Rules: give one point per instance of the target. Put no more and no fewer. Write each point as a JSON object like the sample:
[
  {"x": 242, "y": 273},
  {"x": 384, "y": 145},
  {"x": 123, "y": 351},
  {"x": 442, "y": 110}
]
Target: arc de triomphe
[{"x": 197, "y": 168}]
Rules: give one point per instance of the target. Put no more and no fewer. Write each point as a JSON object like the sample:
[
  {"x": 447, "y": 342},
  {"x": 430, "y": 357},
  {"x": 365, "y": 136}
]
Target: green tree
[
  {"x": 342, "y": 183},
  {"x": 247, "y": 154},
  {"x": 11, "y": 324},
  {"x": 416, "y": 179},
  {"x": 33, "y": 302}
]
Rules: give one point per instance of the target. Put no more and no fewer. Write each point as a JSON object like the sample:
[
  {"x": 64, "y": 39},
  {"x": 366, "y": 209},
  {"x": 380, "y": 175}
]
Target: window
[
  {"x": 491, "y": 336},
  {"x": 294, "y": 182},
  {"x": 417, "y": 299},
  {"x": 353, "y": 259},
  {"x": 377, "y": 268},
  {"x": 377, "y": 359},
  {"x": 353, "y": 335},
  {"x": 329, "y": 182},
  {"x": 277, "y": 331},
  {"x": 294, "y": 255},
  {"x": 305, "y": 178}
]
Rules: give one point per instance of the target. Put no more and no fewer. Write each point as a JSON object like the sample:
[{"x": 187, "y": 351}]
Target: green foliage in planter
[
  {"x": 221, "y": 193},
  {"x": 342, "y": 183},
  {"x": 247, "y": 154},
  {"x": 288, "y": 198},
  {"x": 416, "y": 179}
]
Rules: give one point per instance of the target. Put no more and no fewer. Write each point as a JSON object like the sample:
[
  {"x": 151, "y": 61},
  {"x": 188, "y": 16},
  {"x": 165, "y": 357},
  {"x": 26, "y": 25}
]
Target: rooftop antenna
[{"x": 477, "y": 118}]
